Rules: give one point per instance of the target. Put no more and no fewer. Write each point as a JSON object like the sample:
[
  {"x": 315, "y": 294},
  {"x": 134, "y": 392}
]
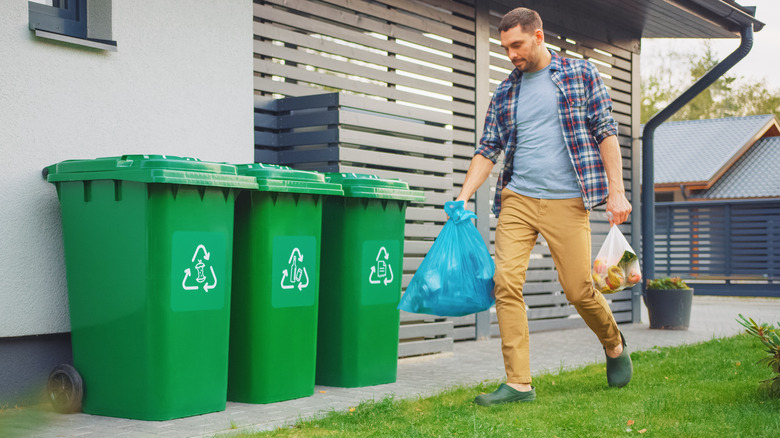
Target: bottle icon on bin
[
  {"x": 295, "y": 276},
  {"x": 295, "y": 272}
]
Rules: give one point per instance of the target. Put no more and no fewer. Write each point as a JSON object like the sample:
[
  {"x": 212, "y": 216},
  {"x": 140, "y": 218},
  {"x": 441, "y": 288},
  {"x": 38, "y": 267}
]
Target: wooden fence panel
[
  {"x": 721, "y": 247},
  {"x": 405, "y": 73}
]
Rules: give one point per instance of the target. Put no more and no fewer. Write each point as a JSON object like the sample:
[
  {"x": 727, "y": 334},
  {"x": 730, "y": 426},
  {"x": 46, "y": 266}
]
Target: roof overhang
[
  {"x": 680, "y": 18},
  {"x": 623, "y": 23}
]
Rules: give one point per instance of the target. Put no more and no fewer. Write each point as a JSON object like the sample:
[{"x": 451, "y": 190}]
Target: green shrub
[
  {"x": 667, "y": 283},
  {"x": 770, "y": 337}
]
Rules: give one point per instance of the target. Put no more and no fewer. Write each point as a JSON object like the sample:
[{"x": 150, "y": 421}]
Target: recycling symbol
[
  {"x": 380, "y": 271},
  {"x": 294, "y": 276},
  {"x": 201, "y": 278}
]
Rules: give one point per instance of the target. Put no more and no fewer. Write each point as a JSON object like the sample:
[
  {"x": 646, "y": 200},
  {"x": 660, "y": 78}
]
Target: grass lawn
[{"x": 706, "y": 390}]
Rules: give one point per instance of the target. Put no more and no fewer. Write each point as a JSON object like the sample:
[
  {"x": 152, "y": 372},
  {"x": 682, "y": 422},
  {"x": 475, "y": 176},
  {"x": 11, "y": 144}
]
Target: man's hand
[
  {"x": 619, "y": 207},
  {"x": 478, "y": 172}
]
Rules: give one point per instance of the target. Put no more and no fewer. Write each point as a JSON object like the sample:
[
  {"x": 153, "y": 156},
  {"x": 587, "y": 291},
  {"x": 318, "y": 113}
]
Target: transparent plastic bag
[
  {"x": 456, "y": 276},
  {"x": 616, "y": 266}
]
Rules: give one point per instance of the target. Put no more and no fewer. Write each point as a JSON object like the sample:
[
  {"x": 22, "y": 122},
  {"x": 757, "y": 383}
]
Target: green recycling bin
[
  {"x": 360, "y": 281},
  {"x": 273, "y": 321},
  {"x": 148, "y": 249}
]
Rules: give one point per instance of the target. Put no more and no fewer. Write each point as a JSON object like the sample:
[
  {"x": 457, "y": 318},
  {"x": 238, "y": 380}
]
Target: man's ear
[{"x": 539, "y": 35}]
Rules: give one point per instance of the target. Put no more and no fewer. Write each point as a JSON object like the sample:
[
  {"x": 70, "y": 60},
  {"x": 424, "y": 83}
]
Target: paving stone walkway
[{"x": 471, "y": 362}]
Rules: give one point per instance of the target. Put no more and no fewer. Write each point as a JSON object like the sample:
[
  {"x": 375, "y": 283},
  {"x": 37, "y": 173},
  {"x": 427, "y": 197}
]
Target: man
[{"x": 552, "y": 119}]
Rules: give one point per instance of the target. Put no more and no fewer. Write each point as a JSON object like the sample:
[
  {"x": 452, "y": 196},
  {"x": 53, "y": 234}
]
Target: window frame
[{"x": 65, "y": 22}]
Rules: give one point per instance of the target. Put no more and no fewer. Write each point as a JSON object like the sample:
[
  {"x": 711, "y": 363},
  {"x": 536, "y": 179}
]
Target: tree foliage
[{"x": 729, "y": 96}]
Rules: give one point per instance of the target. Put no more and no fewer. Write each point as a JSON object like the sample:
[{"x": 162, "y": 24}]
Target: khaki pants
[{"x": 564, "y": 223}]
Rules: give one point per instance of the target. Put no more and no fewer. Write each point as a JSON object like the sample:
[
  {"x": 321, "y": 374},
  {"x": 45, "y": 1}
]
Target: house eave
[{"x": 734, "y": 158}]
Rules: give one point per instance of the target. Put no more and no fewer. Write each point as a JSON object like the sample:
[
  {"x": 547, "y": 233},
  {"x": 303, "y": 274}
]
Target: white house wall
[{"x": 179, "y": 84}]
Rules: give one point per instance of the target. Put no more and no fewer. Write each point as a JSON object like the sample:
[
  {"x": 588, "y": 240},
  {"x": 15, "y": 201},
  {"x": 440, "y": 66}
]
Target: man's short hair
[{"x": 528, "y": 19}]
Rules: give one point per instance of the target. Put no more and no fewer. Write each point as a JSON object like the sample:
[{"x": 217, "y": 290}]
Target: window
[
  {"x": 81, "y": 22},
  {"x": 664, "y": 197}
]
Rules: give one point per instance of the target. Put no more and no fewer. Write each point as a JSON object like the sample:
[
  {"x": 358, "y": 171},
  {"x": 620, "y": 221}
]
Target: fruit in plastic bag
[
  {"x": 615, "y": 277},
  {"x": 598, "y": 281},
  {"x": 634, "y": 276},
  {"x": 600, "y": 266},
  {"x": 616, "y": 266}
]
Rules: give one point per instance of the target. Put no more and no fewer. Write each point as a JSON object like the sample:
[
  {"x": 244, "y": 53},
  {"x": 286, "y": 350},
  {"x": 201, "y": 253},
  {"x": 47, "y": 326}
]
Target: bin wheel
[{"x": 66, "y": 389}]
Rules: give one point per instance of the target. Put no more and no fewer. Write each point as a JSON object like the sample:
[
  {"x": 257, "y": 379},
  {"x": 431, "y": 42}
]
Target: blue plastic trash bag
[{"x": 456, "y": 276}]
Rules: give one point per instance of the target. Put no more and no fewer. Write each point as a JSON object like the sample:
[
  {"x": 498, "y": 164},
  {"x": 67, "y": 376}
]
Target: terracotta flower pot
[{"x": 669, "y": 309}]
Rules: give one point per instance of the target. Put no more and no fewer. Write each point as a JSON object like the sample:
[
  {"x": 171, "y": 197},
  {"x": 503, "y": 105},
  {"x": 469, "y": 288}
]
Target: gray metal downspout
[{"x": 648, "y": 184}]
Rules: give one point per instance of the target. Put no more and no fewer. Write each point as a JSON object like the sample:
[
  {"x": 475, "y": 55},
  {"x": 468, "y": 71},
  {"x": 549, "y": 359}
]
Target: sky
[{"x": 763, "y": 61}]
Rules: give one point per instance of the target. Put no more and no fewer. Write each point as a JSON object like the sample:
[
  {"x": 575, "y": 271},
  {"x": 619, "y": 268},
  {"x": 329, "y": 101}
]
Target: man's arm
[
  {"x": 490, "y": 146},
  {"x": 617, "y": 203},
  {"x": 478, "y": 172}
]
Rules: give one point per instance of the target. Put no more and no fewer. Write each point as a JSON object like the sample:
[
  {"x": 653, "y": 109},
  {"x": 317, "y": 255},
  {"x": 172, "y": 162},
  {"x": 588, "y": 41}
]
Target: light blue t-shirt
[{"x": 542, "y": 166}]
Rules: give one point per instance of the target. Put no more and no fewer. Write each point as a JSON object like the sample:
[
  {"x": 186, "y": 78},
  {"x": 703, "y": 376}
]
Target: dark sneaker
[
  {"x": 505, "y": 394},
  {"x": 620, "y": 369}
]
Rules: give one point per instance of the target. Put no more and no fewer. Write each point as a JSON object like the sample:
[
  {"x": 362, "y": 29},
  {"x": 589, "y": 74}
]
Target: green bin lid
[
  {"x": 273, "y": 178},
  {"x": 358, "y": 185},
  {"x": 166, "y": 169}
]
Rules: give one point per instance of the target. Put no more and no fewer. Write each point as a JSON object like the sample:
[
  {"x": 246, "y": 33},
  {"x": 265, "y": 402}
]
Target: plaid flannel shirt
[{"x": 584, "y": 109}]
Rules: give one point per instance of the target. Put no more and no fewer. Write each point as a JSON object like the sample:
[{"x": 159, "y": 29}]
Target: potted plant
[{"x": 668, "y": 302}]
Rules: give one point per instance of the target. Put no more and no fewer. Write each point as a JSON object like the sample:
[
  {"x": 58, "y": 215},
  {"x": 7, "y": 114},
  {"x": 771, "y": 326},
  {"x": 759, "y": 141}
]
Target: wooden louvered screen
[
  {"x": 405, "y": 71},
  {"x": 399, "y": 64}
]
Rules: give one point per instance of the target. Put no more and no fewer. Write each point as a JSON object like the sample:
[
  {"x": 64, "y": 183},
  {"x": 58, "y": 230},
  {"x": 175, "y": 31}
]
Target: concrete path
[{"x": 470, "y": 363}]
